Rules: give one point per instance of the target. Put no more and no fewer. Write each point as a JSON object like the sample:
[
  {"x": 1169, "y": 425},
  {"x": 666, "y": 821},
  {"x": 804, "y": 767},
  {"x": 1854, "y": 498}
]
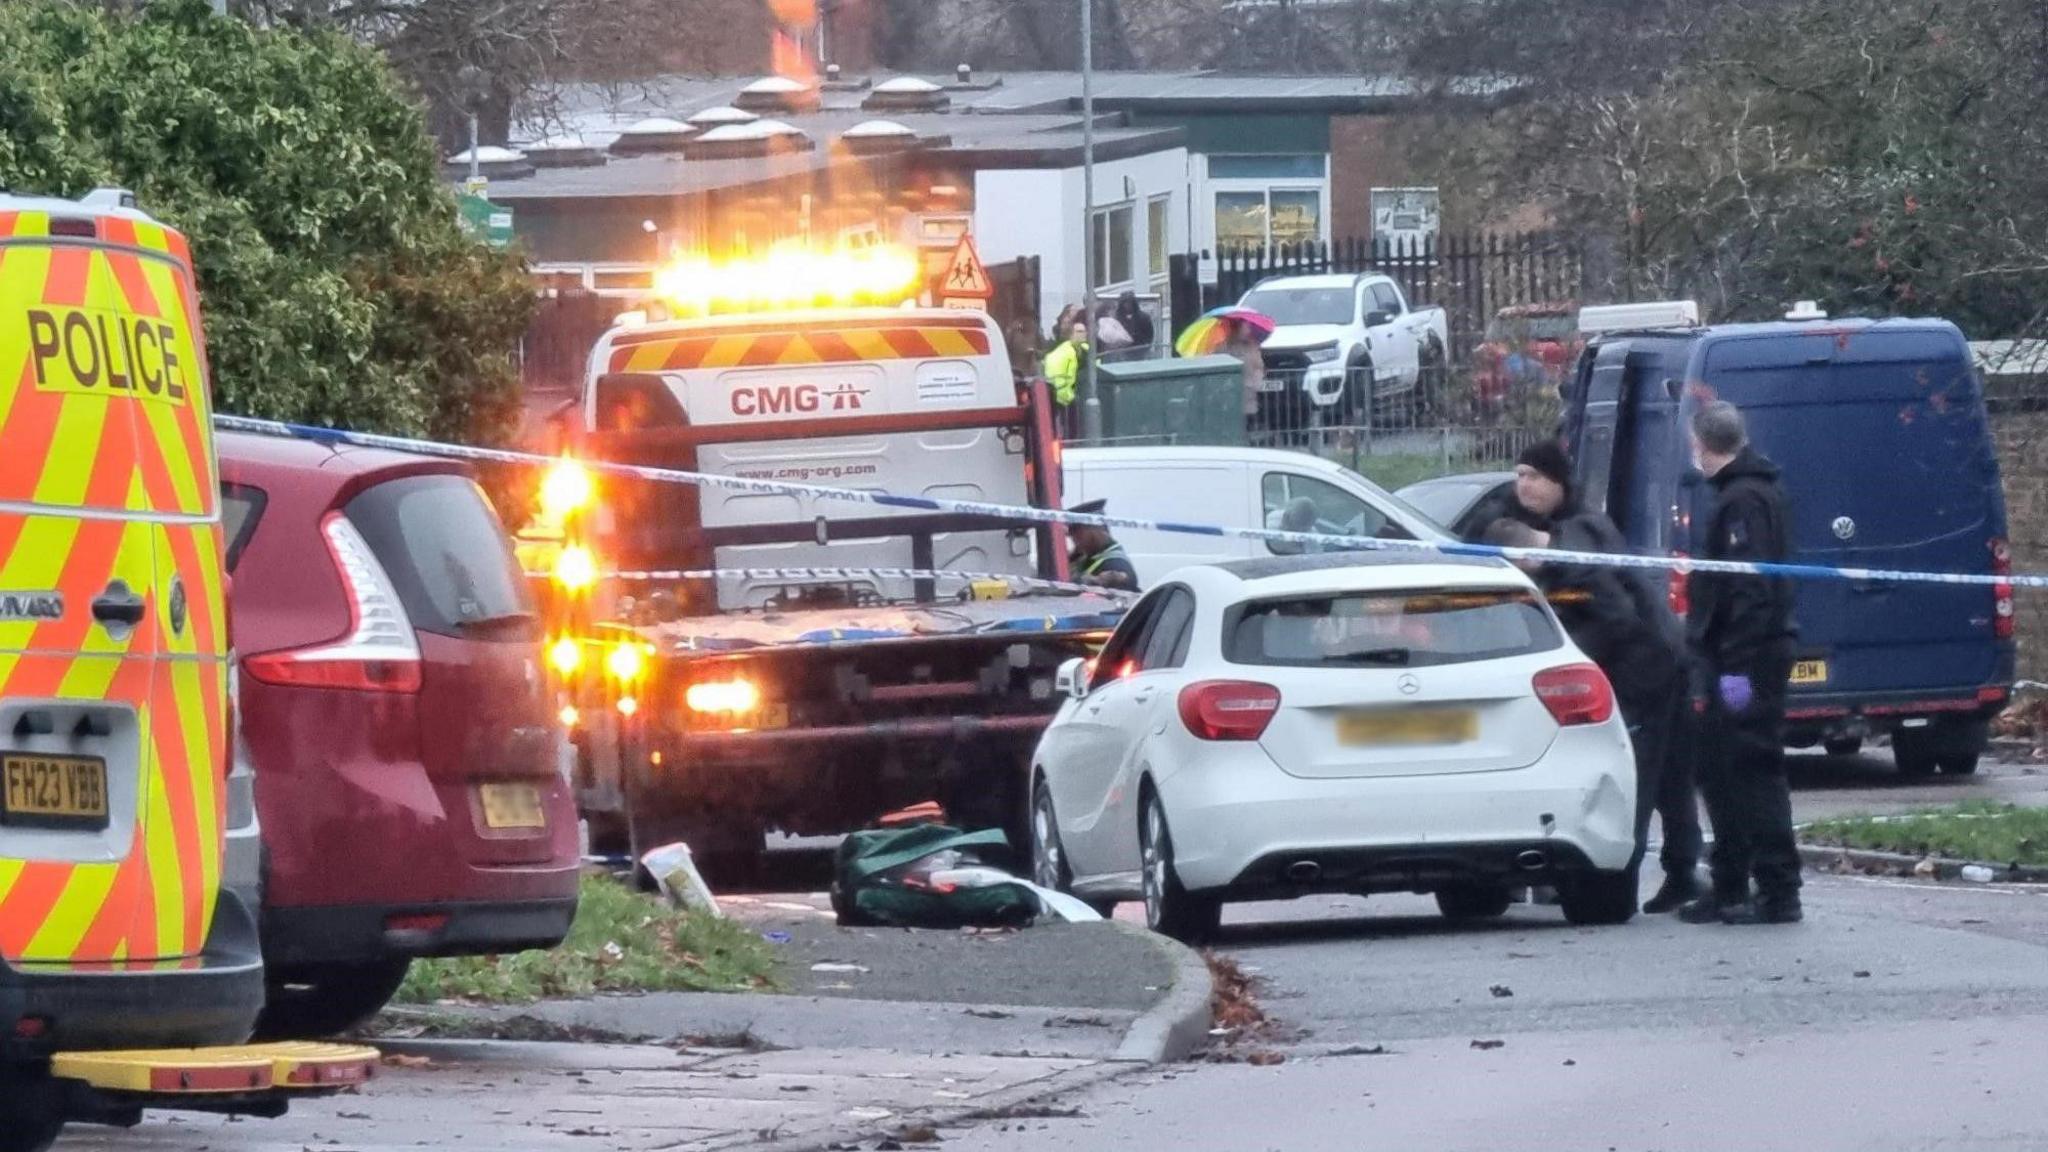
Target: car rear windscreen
[
  {"x": 1396, "y": 629},
  {"x": 446, "y": 552}
]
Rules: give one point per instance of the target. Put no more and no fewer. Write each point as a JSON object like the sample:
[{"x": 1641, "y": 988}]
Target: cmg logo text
[{"x": 788, "y": 399}]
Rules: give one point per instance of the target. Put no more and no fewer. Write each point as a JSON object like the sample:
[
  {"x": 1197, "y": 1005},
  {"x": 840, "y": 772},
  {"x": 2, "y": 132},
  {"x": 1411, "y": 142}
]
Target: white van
[{"x": 1234, "y": 488}]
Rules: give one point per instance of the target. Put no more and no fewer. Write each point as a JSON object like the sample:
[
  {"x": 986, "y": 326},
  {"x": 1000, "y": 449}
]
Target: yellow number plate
[
  {"x": 54, "y": 791},
  {"x": 511, "y": 806},
  {"x": 1417, "y": 726},
  {"x": 1810, "y": 672},
  {"x": 766, "y": 718}
]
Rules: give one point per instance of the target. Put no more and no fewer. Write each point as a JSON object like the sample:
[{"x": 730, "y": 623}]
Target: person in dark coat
[
  {"x": 1542, "y": 495},
  {"x": 1636, "y": 642},
  {"x": 1740, "y": 628},
  {"x": 1132, "y": 316}
]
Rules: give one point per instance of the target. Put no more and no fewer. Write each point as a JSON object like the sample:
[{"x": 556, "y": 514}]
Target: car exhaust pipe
[
  {"x": 1532, "y": 861},
  {"x": 1304, "y": 871}
]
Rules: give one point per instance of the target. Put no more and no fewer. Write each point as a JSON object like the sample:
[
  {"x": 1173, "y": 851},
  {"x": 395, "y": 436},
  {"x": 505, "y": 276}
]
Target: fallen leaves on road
[
  {"x": 1361, "y": 1050},
  {"x": 1489, "y": 1045},
  {"x": 401, "y": 1060},
  {"x": 919, "y": 1134},
  {"x": 1501, "y": 991},
  {"x": 1232, "y": 1004},
  {"x": 1860, "y": 974},
  {"x": 991, "y": 1014},
  {"x": 1265, "y": 1058}
]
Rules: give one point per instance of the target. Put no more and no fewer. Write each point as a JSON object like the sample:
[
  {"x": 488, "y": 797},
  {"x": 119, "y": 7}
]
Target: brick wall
[{"x": 2022, "y": 439}]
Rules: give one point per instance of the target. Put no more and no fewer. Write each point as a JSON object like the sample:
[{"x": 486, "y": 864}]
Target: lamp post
[{"x": 1091, "y": 406}]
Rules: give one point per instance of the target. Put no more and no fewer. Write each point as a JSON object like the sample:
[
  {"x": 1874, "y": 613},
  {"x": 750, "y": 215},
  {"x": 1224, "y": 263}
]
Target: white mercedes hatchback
[{"x": 1365, "y": 722}]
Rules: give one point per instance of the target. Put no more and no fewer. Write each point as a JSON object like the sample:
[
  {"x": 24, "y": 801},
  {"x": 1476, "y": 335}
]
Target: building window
[
  {"x": 1158, "y": 243},
  {"x": 1262, "y": 201},
  {"x": 1112, "y": 236}
]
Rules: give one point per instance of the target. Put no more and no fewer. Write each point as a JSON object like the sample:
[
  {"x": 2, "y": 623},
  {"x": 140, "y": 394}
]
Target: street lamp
[
  {"x": 472, "y": 88},
  {"x": 1091, "y": 407}
]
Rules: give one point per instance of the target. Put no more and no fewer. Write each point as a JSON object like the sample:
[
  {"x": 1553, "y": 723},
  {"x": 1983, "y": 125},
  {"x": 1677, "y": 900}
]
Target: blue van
[{"x": 1881, "y": 430}]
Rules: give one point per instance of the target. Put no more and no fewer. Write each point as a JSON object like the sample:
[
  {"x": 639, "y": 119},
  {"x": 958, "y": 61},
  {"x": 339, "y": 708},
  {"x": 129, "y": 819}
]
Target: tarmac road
[{"x": 1901, "y": 1015}]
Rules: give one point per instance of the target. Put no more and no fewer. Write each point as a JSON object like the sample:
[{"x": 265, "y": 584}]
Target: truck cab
[{"x": 1881, "y": 431}]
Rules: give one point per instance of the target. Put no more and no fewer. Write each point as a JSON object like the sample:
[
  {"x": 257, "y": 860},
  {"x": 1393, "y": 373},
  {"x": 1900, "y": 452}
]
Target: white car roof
[
  {"x": 1183, "y": 454},
  {"x": 1350, "y": 571},
  {"x": 1322, "y": 280}
]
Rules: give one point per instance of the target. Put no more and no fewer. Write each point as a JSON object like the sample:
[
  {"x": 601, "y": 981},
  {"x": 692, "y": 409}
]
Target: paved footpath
[{"x": 884, "y": 1030}]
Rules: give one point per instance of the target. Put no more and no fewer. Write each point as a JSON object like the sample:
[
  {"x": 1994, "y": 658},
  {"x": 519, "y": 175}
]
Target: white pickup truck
[{"x": 1343, "y": 346}]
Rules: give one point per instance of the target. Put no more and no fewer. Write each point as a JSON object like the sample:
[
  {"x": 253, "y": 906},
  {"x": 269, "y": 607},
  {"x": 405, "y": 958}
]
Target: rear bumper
[
  {"x": 209, "y": 1000},
  {"x": 1239, "y": 822},
  {"x": 1880, "y": 711},
  {"x": 357, "y": 933}
]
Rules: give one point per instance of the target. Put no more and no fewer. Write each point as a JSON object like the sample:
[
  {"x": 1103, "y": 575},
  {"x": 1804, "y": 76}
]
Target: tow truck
[{"x": 736, "y": 661}]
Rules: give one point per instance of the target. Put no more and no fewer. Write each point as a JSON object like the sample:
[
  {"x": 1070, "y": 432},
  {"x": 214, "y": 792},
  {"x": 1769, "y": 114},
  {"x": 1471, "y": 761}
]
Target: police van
[{"x": 116, "y": 934}]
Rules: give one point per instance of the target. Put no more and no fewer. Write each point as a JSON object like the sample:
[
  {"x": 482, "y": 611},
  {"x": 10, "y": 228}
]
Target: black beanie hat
[{"x": 1548, "y": 459}]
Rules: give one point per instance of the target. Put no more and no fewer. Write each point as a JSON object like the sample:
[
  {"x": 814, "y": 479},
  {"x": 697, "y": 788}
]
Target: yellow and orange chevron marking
[
  {"x": 847, "y": 343},
  {"x": 109, "y": 474}
]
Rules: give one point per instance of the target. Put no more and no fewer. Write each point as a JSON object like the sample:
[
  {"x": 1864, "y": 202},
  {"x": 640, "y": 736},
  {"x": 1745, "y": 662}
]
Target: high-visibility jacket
[{"x": 1063, "y": 370}]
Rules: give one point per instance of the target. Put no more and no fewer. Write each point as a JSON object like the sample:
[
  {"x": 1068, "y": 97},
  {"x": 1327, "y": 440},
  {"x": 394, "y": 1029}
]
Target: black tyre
[
  {"x": 321, "y": 1000},
  {"x": 1846, "y": 746},
  {"x": 31, "y": 1114},
  {"x": 1474, "y": 902},
  {"x": 1598, "y": 897},
  {"x": 1170, "y": 909},
  {"x": 1914, "y": 751},
  {"x": 1958, "y": 763}
]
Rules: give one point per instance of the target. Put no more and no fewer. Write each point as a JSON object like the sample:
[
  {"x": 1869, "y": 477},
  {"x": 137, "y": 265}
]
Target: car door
[
  {"x": 1089, "y": 741},
  {"x": 1335, "y": 512},
  {"x": 1396, "y": 354},
  {"x": 1154, "y": 698}
]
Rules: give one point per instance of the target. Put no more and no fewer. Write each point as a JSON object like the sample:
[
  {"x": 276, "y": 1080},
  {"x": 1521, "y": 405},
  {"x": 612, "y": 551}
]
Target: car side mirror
[
  {"x": 1072, "y": 678},
  {"x": 1377, "y": 317}
]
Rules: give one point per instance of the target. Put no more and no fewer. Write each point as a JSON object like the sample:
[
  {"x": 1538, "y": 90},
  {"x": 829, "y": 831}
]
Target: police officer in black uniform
[
  {"x": 1096, "y": 556},
  {"x": 1630, "y": 634},
  {"x": 1740, "y": 628}
]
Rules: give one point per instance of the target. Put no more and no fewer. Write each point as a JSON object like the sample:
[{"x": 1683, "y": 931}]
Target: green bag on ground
[{"x": 877, "y": 880}]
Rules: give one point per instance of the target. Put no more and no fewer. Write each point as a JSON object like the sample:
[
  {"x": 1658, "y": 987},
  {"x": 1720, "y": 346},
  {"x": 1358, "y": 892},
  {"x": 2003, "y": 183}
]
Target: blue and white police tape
[
  {"x": 1104, "y": 520},
  {"x": 1029, "y": 583}
]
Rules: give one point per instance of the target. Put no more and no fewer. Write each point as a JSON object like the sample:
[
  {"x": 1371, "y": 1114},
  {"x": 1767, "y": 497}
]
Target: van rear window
[
  {"x": 445, "y": 550},
  {"x": 1403, "y": 629}
]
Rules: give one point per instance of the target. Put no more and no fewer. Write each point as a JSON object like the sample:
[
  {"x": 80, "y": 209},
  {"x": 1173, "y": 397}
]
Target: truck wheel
[
  {"x": 1846, "y": 746},
  {"x": 1914, "y": 752},
  {"x": 1958, "y": 763},
  {"x": 322, "y": 1000},
  {"x": 31, "y": 1114}
]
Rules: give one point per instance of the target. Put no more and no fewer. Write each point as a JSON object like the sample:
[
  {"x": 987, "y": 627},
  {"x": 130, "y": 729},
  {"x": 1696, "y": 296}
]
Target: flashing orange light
[
  {"x": 566, "y": 655},
  {"x": 566, "y": 490},
  {"x": 575, "y": 568},
  {"x": 569, "y": 716},
  {"x": 737, "y": 695},
  {"x": 790, "y": 275},
  {"x": 626, "y": 662},
  {"x": 628, "y": 706}
]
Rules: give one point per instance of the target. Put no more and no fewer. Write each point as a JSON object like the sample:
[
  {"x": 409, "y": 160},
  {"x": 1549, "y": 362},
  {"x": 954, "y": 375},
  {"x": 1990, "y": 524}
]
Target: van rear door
[{"x": 1888, "y": 463}]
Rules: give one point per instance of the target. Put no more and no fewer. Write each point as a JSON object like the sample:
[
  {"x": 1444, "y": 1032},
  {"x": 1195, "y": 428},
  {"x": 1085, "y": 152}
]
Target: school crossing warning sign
[{"x": 966, "y": 283}]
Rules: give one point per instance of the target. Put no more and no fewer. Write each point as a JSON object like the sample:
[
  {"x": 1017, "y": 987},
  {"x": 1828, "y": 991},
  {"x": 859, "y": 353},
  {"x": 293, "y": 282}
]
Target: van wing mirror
[{"x": 1072, "y": 678}]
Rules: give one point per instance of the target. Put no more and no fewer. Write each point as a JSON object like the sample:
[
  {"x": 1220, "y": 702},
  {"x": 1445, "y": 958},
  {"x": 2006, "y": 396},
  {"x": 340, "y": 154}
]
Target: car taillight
[
  {"x": 378, "y": 654},
  {"x": 1576, "y": 694},
  {"x": 737, "y": 695},
  {"x": 1680, "y": 593},
  {"x": 1228, "y": 709},
  {"x": 2001, "y": 592}
]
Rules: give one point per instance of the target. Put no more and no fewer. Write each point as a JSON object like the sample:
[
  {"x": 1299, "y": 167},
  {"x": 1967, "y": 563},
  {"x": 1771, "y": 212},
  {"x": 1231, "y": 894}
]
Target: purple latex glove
[{"x": 1736, "y": 693}]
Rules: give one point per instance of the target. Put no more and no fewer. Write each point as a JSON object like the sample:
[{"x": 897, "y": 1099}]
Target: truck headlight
[{"x": 1323, "y": 355}]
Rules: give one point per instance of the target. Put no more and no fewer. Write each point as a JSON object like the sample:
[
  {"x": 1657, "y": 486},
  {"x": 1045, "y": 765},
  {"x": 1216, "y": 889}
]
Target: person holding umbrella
[{"x": 1235, "y": 332}]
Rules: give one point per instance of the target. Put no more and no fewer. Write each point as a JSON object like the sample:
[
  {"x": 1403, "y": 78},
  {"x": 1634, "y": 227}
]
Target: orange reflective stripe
[{"x": 824, "y": 346}]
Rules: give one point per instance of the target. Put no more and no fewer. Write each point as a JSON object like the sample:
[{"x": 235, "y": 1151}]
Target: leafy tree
[{"x": 337, "y": 285}]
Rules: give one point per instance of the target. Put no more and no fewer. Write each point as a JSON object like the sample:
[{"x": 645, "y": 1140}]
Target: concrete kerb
[
  {"x": 1828, "y": 857},
  {"x": 1179, "y": 1023}
]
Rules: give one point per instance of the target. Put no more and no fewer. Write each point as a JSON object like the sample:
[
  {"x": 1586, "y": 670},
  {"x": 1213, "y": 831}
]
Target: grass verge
[
  {"x": 622, "y": 941},
  {"x": 1993, "y": 833}
]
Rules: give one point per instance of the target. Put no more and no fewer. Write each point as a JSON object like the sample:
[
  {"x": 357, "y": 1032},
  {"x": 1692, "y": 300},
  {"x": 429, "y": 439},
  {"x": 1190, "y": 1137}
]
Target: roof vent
[
  {"x": 656, "y": 134},
  {"x": 906, "y": 94},
  {"x": 778, "y": 94},
  {"x": 760, "y": 138},
  {"x": 564, "y": 152},
  {"x": 871, "y": 136},
  {"x": 492, "y": 162},
  {"x": 722, "y": 114}
]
